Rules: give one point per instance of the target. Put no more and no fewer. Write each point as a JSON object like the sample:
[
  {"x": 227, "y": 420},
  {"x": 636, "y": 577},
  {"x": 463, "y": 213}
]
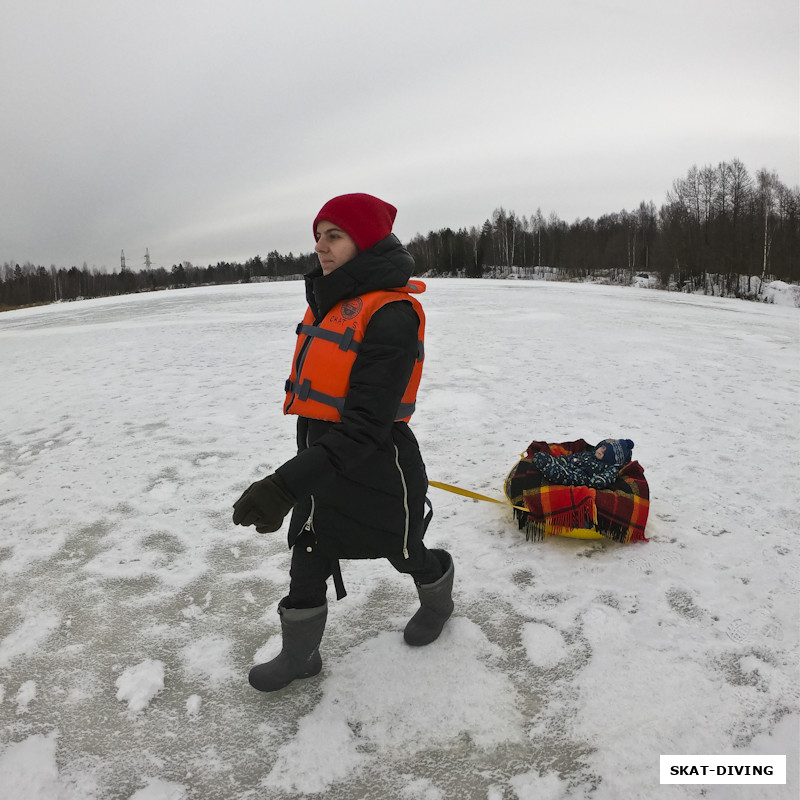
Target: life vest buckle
[
  {"x": 347, "y": 338},
  {"x": 304, "y": 389}
]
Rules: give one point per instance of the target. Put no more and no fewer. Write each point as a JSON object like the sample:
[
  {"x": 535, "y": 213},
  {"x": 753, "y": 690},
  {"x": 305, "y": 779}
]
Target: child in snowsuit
[{"x": 596, "y": 468}]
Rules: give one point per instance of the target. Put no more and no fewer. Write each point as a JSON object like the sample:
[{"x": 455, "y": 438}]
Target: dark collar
[{"x": 386, "y": 265}]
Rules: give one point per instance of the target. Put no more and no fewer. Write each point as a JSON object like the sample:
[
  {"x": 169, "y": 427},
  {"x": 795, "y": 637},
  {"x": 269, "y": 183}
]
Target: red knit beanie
[{"x": 365, "y": 218}]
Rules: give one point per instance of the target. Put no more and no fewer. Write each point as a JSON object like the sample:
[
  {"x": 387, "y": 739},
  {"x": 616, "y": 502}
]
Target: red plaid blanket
[{"x": 618, "y": 513}]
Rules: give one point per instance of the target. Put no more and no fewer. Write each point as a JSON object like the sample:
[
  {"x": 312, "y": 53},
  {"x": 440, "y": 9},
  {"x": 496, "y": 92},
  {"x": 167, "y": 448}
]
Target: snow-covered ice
[
  {"x": 131, "y": 609},
  {"x": 139, "y": 684}
]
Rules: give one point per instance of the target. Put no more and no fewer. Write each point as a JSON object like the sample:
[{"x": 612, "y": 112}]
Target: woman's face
[{"x": 334, "y": 247}]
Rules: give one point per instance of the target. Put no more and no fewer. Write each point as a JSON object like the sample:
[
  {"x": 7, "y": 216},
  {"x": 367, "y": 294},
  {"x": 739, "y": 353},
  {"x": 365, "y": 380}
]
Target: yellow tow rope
[{"x": 474, "y": 495}]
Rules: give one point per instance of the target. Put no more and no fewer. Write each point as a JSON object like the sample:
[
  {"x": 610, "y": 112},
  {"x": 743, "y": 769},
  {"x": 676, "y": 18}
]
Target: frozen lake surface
[{"x": 131, "y": 609}]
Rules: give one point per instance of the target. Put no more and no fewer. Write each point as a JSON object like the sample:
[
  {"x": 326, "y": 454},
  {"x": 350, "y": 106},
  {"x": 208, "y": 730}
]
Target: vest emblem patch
[{"x": 352, "y": 308}]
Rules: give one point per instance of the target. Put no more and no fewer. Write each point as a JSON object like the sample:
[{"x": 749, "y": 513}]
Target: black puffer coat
[{"x": 361, "y": 483}]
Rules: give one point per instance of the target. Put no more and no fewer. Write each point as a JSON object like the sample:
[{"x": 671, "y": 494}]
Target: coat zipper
[
  {"x": 405, "y": 500},
  {"x": 309, "y": 526}
]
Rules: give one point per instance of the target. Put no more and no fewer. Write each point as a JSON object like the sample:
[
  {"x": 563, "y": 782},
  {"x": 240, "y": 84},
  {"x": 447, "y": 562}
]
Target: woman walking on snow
[{"x": 357, "y": 484}]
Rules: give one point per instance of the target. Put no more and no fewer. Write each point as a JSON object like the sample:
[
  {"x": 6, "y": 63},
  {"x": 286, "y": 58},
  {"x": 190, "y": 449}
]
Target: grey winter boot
[
  {"x": 302, "y": 630},
  {"x": 436, "y": 605}
]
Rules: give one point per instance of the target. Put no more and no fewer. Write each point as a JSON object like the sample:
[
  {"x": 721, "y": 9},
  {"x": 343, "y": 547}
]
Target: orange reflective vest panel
[{"x": 325, "y": 354}]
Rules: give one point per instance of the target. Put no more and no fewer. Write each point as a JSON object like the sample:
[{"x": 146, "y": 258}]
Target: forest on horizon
[{"x": 717, "y": 220}]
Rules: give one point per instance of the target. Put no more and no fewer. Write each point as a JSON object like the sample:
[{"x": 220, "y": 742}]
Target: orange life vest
[{"x": 325, "y": 354}]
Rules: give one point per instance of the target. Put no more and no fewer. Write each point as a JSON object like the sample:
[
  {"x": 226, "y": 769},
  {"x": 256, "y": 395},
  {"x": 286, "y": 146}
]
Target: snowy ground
[{"x": 131, "y": 608}]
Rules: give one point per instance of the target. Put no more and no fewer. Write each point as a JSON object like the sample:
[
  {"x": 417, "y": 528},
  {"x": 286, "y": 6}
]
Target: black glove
[{"x": 264, "y": 504}]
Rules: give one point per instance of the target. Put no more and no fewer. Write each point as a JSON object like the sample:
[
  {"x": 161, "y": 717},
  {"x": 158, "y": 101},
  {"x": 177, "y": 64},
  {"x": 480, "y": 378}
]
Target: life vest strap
[
  {"x": 336, "y": 572},
  {"x": 405, "y": 410},
  {"x": 344, "y": 340},
  {"x": 304, "y": 392}
]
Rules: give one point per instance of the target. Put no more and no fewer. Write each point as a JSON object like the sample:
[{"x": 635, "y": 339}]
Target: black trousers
[{"x": 310, "y": 570}]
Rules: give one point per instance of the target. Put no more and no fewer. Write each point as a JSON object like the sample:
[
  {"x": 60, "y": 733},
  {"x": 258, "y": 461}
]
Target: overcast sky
[{"x": 210, "y": 131}]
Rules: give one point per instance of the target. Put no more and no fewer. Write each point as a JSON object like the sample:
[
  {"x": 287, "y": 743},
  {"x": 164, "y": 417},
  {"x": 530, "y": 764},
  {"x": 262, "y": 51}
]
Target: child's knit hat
[
  {"x": 366, "y": 219},
  {"x": 618, "y": 451}
]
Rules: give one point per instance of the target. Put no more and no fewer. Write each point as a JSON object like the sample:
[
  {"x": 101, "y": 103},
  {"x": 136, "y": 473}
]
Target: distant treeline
[
  {"x": 31, "y": 285},
  {"x": 717, "y": 220}
]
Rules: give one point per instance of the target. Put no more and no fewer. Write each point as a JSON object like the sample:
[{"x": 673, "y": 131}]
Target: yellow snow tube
[{"x": 582, "y": 533}]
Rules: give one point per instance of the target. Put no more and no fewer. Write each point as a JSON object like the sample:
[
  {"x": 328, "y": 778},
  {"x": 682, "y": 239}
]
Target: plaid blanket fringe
[{"x": 618, "y": 513}]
